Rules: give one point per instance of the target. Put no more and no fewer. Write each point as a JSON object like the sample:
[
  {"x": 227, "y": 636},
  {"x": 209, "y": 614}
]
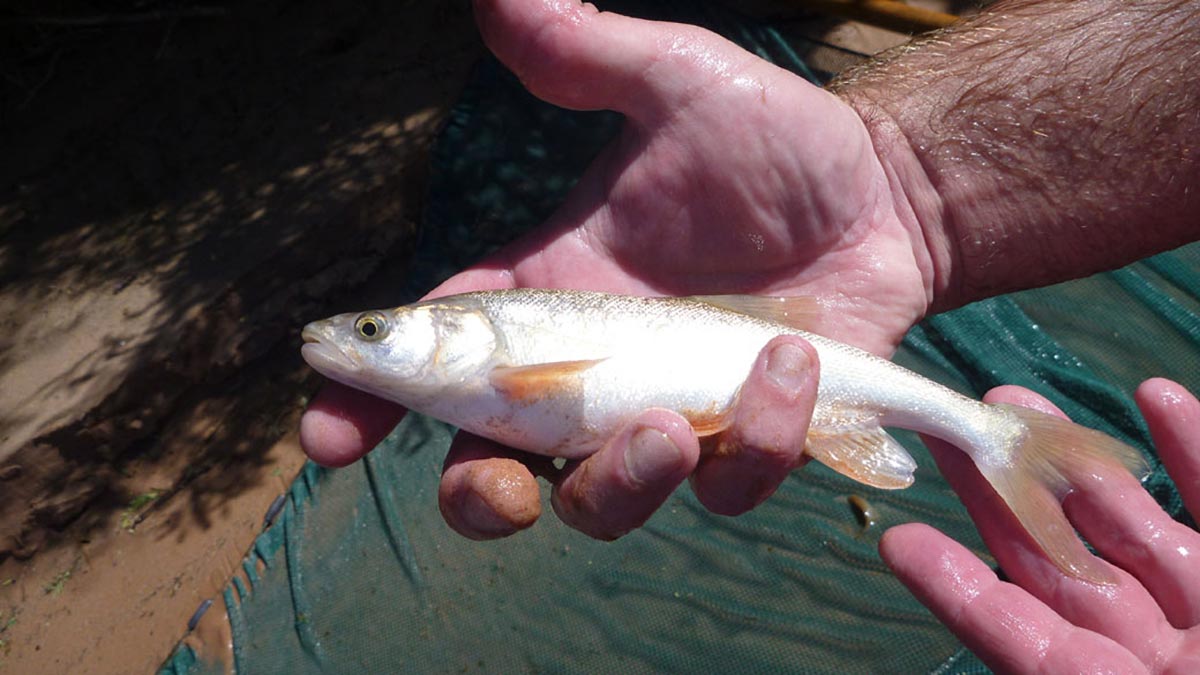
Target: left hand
[
  {"x": 730, "y": 176},
  {"x": 1044, "y": 621}
]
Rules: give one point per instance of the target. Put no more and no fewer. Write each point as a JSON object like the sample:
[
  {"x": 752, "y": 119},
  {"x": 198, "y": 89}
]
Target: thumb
[{"x": 573, "y": 55}]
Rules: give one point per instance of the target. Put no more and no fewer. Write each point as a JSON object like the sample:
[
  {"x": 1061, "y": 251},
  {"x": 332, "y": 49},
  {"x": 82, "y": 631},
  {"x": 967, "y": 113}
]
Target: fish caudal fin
[{"x": 1037, "y": 475}]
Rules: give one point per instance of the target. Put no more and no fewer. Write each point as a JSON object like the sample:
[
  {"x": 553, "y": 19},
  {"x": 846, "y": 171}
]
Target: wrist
[
  {"x": 1040, "y": 141},
  {"x": 916, "y": 201}
]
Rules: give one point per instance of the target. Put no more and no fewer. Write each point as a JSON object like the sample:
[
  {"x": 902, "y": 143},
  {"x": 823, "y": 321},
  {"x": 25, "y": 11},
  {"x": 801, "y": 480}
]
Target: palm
[{"x": 754, "y": 182}]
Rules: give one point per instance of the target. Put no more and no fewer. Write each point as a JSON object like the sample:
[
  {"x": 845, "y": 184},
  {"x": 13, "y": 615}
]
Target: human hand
[
  {"x": 730, "y": 175},
  {"x": 1044, "y": 621}
]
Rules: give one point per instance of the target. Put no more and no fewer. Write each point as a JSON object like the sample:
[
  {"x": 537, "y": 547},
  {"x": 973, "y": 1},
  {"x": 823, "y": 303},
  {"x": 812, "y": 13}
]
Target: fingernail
[
  {"x": 651, "y": 456},
  {"x": 788, "y": 366}
]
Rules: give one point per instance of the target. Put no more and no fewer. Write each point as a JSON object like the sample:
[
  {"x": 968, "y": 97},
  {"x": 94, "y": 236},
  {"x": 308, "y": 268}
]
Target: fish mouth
[{"x": 324, "y": 357}]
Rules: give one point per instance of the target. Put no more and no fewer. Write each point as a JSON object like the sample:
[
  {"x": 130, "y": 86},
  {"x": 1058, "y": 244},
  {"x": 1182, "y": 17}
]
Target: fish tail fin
[{"x": 1037, "y": 475}]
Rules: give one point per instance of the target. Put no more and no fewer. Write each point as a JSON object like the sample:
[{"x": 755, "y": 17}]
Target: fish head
[{"x": 408, "y": 354}]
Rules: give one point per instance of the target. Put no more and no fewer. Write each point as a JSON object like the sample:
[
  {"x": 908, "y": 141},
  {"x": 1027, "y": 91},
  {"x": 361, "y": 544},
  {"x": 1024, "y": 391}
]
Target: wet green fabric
[{"x": 359, "y": 573}]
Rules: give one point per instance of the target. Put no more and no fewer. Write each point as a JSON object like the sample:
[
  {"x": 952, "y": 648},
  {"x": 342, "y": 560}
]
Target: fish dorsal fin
[
  {"x": 800, "y": 312},
  {"x": 862, "y": 450},
  {"x": 539, "y": 380}
]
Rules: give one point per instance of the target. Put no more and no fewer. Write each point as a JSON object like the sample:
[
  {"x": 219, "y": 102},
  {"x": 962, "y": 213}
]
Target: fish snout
[
  {"x": 322, "y": 352},
  {"x": 311, "y": 333}
]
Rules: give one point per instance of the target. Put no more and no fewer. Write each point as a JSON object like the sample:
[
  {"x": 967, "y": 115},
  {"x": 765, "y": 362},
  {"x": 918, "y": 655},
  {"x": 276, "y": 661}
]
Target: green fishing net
[{"x": 359, "y": 573}]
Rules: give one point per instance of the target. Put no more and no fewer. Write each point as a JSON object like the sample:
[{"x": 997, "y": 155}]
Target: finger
[
  {"x": 620, "y": 486},
  {"x": 1124, "y": 612},
  {"x": 1009, "y": 629},
  {"x": 1112, "y": 510},
  {"x": 1127, "y": 526},
  {"x": 342, "y": 424},
  {"x": 1132, "y": 528},
  {"x": 487, "y": 492},
  {"x": 1174, "y": 418},
  {"x": 575, "y": 56},
  {"x": 766, "y": 439}
]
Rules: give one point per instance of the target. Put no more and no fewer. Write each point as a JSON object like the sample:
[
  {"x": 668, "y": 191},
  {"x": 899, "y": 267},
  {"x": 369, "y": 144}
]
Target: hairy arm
[{"x": 1041, "y": 141}]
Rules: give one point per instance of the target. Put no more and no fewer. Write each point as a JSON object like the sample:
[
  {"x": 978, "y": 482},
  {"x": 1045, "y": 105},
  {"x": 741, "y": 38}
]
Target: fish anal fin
[
  {"x": 800, "y": 312},
  {"x": 864, "y": 452},
  {"x": 707, "y": 422},
  {"x": 541, "y": 380}
]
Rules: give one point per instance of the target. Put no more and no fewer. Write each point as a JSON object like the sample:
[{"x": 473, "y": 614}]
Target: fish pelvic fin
[
  {"x": 539, "y": 381},
  {"x": 863, "y": 451},
  {"x": 1038, "y": 475},
  {"x": 800, "y": 311}
]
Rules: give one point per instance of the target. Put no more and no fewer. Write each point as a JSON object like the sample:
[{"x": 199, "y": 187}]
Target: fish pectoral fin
[
  {"x": 539, "y": 380},
  {"x": 862, "y": 451},
  {"x": 800, "y": 312}
]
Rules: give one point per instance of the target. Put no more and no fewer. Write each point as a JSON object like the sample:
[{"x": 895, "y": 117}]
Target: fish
[{"x": 559, "y": 372}]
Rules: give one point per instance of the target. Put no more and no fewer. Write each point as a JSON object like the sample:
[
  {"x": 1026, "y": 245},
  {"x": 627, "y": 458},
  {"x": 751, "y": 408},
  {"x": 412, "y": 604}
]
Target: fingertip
[
  {"x": 1171, "y": 412},
  {"x": 1020, "y": 396},
  {"x": 485, "y": 495},
  {"x": 619, "y": 487},
  {"x": 791, "y": 365},
  {"x": 906, "y": 532},
  {"x": 765, "y": 441},
  {"x": 897, "y": 544},
  {"x": 1163, "y": 394},
  {"x": 1173, "y": 415},
  {"x": 573, "y": 55},
  {"x": 327, "y": 440},
  {"x": 343, "y": 424},
  {"x": 547, "y": 44},
  {"x": 662, "y": 448}
]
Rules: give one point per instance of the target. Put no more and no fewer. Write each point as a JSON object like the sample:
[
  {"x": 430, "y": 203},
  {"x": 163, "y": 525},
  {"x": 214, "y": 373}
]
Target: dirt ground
[{"x": 183, "y": 186}]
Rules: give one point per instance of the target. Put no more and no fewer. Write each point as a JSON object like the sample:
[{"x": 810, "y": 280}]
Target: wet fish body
[{"x": 558, "y": 372}]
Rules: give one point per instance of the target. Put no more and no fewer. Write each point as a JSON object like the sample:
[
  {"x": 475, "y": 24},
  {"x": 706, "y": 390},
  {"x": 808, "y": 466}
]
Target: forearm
[{"x": 1042, "y": 141}]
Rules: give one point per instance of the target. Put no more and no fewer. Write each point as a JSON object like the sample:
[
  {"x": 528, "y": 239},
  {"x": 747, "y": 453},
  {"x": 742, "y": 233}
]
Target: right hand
[
  {"x": 730, "y": 176},
  {"x": 1041, "y": 620}
]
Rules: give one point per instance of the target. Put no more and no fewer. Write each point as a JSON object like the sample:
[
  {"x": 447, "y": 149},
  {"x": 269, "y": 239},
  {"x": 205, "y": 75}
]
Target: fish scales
[
  {"x": 683, "y": 354},
  {"x": 558, "y": 372}
]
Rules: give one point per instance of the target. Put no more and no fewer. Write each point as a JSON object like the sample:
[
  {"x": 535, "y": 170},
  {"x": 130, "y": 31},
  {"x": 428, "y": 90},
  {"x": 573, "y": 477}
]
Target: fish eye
[{"x": 371, "y": 326}]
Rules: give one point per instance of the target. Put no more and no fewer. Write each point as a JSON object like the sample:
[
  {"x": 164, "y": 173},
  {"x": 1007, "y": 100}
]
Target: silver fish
[{"x": 558, "y": 372}]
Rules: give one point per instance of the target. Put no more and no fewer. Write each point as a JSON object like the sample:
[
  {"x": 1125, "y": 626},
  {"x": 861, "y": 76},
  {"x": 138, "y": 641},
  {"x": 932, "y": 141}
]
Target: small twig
[{"x": 116, "y": 19}]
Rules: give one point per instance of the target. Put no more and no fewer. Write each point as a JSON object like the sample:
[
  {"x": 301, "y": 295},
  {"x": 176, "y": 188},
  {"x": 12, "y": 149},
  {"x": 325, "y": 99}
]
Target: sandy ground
[
  {"x": 182, "y": 189},
  {"x": 183, "y": 186}
]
